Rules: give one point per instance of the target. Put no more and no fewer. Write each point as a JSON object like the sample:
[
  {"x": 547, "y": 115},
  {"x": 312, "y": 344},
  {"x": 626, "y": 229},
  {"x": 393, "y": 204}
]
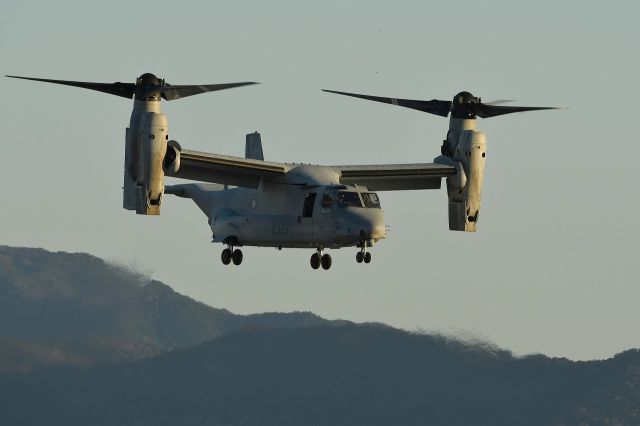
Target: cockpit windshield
[
  {"x": 348, "y": 199},
  {"x": 371, "y": 200}
]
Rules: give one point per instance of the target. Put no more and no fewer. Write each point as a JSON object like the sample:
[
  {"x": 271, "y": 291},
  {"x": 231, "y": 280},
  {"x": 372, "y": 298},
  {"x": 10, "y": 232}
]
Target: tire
[
  {"x": 237, "y": 256},
  {"x": 359, "y": 257},
  {"x": 367, "y": 257},
  {"x": 315, "y": 261},
  {"x": 226, "y": 256},
  {"x": 326, "y": 261}
]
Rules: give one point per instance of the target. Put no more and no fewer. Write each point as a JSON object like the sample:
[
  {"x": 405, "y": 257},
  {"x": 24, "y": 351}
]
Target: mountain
[
  {"x": 76, "y": 309},
  {"x": 86, "y": 342},
  {"x": 331, "y": 375}
]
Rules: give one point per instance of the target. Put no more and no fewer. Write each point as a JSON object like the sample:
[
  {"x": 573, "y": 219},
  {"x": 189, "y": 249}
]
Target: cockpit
[
  {"x": 371, "y": 200},
  {"x": 351, "y": 213},
  {"x": 344, "y": 198},
  {"x": 348, "y": 199}
]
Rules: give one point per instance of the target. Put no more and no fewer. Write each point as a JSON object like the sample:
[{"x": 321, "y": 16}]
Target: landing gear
[
  {"x": 237, "y": 256},
  {"x": 326, "y": 261},
  {"x": 226, "y": 256},
  {"x": 318, "y": 259},
  {"x": 363, "y": 255},
  {"x": 315, "y": 260},
  {"x": 229, "y": 254}
]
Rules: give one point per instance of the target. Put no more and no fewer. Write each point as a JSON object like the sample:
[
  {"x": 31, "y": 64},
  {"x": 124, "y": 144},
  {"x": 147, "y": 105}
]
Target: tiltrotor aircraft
[{"x": 252, "y": 202}]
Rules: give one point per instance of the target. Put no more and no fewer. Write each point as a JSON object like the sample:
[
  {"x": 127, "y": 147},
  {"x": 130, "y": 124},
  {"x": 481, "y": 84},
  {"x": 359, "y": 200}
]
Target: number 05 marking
[{"x": 279, "y": 229}]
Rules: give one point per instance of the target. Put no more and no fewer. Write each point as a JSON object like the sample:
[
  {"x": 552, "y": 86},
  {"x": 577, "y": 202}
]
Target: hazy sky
[{"x": 553, "y": 268}]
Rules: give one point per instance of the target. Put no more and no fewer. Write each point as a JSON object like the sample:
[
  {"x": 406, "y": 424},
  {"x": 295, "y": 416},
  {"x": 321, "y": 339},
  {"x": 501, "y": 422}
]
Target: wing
[
  {"x": 394, "y": 177},
  {"x": 227, "y": 170}
]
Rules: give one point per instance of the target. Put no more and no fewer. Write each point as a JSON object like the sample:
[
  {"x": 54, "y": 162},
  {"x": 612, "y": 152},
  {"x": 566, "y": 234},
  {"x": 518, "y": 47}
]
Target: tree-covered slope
[
  {"x": 74, "y": 308},
  {"x": 331, "y": 375}
]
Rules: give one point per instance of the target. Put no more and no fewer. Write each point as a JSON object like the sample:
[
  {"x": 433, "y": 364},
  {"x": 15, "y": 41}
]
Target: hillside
[
  {"x": 86, "y": 342},
  {"x": 338, "y": 375},
  {"x": 76, "y": 309}
]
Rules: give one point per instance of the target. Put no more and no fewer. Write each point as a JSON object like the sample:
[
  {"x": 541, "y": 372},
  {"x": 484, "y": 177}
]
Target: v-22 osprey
[{"x": 252, "y": 202}]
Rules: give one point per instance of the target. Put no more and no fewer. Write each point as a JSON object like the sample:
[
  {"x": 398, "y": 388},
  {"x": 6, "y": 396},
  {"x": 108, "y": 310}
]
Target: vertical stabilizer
[{"x": 253, "y": 147}]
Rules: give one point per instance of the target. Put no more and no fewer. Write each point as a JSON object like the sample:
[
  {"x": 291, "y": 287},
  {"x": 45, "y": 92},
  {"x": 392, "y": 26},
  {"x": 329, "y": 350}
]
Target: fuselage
[{"x": 299, "y": 214}]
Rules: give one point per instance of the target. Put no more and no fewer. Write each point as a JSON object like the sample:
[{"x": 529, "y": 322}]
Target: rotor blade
[
  {"x": 171, "y": 93},
  {"x": 499, "y": 101},
  {"x": 119, "y": 89},
  {"x": 487, "y": 111},
  {"x": 433, "y": 106}
]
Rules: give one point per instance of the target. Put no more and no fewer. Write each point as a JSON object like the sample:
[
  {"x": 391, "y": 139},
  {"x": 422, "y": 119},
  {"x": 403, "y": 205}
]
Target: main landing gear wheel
[
  {"x": 229, "y": 254},
  {"x": 326, "y": 261},
  {"x": 318, "y": 259},
  {"x": 315, "y": 260},
  {"x": 237, "y": 256},
  {"x": 367, "y": 257},
  {"x": 226, "y": 256},
  {"x": 359, "y": 257}
]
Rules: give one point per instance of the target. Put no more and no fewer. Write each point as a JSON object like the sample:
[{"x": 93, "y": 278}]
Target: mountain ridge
[
  {"x": 340, "y": 375},
  {"x": 74, "y": 308},
  {"x": 85, "y": 342}
]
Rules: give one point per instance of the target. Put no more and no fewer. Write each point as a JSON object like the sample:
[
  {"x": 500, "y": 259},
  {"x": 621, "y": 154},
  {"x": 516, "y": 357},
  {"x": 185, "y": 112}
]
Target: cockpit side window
[
  {"x": 371, "y": 200},
  {"x": 348, "y": 199},
  {"x": 327, "y": 203}
]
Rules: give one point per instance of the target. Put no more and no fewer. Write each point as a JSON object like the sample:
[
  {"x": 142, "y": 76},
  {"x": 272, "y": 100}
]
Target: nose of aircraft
[
  {"x": 373, "y": 232},
  {"x": 370, "y": 225}
]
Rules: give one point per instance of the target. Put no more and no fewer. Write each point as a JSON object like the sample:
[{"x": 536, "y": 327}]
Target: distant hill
[
  {"x": 86, "y": 342},
  {"x": 76, "y": 309},
  {"x": 331, "y": 375}
]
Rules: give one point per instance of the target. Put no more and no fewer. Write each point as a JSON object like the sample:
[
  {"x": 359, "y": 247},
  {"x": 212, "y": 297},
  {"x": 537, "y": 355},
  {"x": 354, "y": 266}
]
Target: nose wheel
[
  {"x": 230, "y": 255},
  {"x": 319, "y": 259},
  {"x": 363, "y": 255}
]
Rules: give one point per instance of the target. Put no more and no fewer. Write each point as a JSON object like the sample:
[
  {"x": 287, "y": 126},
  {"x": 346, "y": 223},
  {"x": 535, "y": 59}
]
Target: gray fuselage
[{"x": 297, "y": 214}]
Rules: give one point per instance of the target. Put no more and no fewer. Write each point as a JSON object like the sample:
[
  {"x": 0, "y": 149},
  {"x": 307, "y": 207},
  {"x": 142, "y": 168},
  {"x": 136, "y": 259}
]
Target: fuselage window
[
  {"x": 348, "y": 199},
  {"x": 327, "y": 203},
  {"x": 309, "y": 201},
  {"x": 371, "y": 200}
]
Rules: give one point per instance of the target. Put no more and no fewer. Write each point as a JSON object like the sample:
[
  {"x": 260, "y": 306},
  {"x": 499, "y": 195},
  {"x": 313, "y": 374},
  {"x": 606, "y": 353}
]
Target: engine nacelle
[
  {"x": 465, "y": 187},
  {"x": 145, "y": 151},
  {"x": 152, "y": 147}
]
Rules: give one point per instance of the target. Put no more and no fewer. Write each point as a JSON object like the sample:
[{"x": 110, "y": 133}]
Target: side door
[{"x": 305, "y": 220}]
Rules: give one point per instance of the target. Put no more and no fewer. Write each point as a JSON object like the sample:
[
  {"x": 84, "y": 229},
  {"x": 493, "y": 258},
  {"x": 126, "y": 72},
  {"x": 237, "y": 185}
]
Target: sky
[{"x": 553, "y": 266}]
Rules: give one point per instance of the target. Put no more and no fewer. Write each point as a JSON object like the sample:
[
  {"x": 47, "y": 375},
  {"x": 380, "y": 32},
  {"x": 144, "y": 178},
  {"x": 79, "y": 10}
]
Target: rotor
[
  {"x": 147, "y": 87},
  {"x": 464, "y": 105}
]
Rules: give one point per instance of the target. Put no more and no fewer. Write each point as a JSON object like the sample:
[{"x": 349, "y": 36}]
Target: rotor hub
[
  {"x": 148, "y": 87},
  {"x": 464, "y": 105}
]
